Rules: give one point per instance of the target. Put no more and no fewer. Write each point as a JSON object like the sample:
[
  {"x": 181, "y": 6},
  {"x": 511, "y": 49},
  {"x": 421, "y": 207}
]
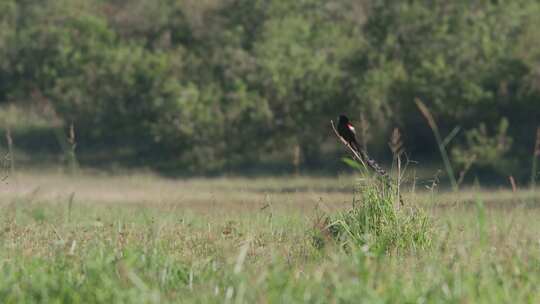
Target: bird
[{"x": 346, "y": 130}]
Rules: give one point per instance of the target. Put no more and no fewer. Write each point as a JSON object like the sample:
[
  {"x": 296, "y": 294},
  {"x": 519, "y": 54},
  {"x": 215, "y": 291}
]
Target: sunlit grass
[{"x": 146, "y": 239}]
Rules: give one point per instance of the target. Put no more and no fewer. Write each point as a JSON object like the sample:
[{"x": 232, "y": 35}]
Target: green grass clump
[{"x": 378, "y": 224}]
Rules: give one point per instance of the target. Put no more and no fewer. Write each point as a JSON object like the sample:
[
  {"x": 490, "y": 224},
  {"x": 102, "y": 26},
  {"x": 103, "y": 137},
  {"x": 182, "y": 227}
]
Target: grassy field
[{"x": 144, "y": 239}]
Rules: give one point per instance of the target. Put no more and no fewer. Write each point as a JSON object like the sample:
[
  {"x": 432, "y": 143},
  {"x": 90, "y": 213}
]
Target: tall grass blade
[{"x": 440, "y": 142}]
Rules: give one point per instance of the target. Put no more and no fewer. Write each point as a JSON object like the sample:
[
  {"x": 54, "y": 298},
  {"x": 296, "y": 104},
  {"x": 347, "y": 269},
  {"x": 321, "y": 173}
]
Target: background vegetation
[{"x": 223, "y": 85}]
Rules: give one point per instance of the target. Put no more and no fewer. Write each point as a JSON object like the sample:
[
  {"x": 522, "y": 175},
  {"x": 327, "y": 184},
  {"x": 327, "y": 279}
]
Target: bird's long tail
[
  {"x": 368, "y": 160},
  {"x": 375, "y": 167}
]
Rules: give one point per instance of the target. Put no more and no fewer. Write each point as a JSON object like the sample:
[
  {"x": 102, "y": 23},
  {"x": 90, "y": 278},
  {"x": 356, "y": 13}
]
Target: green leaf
[{"x": 353, "y": 164}]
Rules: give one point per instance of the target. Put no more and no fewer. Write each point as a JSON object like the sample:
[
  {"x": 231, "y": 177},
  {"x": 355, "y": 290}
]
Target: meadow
[
  {"x": 112, "y": 111},
  {"x": 142, "y": 238}
]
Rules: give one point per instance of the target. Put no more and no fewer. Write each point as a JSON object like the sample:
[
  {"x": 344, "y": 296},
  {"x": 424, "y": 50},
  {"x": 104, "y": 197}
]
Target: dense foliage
[{"x": 221, "y": 84}]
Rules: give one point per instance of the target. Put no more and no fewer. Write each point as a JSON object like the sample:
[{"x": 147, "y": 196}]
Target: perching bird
[{"x": 346, "y": 130}]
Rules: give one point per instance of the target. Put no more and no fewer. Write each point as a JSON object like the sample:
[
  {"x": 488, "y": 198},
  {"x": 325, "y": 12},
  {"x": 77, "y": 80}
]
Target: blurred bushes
[
  {"x": 485, "y": 151},
  {"x": 213, "y": 85}
]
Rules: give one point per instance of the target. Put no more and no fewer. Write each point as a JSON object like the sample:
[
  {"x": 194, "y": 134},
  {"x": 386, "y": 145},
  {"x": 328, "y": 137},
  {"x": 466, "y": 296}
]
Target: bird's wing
[{"x": 351, "y": 127}]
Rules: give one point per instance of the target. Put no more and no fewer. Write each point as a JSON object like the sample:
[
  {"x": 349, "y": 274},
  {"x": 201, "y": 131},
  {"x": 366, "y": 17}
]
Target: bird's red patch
[{"x": 350, "y": 127}]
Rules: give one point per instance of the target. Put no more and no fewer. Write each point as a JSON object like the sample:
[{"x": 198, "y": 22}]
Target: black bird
[{"x": 346, "y": 130}]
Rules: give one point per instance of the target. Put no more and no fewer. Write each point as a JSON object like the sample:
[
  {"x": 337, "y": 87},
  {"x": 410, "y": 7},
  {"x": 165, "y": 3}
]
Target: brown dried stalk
[
  {"x": 9, "y": 163},
  {"x": 513, "y": 183},
  {"x": 71, "y": 151},
  {"x": 396, "y": 145}
]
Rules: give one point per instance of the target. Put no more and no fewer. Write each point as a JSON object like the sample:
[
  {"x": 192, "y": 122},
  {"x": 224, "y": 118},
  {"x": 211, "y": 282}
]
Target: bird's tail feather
[
  {"x": 368, "y": 160},
  {"x": 374, "y": 166}
]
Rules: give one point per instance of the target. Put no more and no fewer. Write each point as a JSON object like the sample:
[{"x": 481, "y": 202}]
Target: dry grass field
[{"x": 141, "y": 238}]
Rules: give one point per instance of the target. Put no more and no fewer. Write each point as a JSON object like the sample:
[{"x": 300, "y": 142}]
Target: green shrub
[{"x": 485, "y": 151}]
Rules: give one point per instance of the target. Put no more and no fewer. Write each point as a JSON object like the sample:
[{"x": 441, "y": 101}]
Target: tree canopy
[{"x": 222, "y": 84}]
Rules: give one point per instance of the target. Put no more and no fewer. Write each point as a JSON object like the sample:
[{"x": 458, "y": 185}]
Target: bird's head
[{"x": 343, "y": 119}]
